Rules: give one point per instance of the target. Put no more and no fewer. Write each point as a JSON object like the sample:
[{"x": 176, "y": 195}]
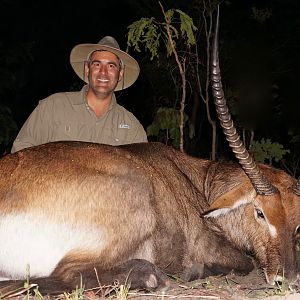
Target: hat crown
[
  {"x": 81, "y": 53},
  {"x": 109, "y": 41}
]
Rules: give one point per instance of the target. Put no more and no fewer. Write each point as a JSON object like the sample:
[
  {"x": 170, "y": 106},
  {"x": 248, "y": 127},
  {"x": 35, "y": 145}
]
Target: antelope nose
[
  {"x": 297, "y": 251},
  {"x": 297, "y": 241}
]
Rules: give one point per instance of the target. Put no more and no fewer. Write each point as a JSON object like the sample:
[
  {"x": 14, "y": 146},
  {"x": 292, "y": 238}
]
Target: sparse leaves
[
  {"x": 148, "y": 32},
  {"x": 144, "y": 32},
  {"x": 187, "y": 27},
  {"x": 168, "y": 119},
  {"x": 265, "y": 151}
]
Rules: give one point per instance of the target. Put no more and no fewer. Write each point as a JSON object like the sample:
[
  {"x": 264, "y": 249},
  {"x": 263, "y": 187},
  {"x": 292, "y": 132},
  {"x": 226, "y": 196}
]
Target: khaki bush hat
[{"x": 80, "y": 54}]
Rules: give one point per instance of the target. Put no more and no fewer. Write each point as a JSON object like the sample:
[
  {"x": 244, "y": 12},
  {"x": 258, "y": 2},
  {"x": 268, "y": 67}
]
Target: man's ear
[
  {"x": 121, "y": 74},
  {"x": 239, "y": 195},
  {"x": 86, "y": 70}
]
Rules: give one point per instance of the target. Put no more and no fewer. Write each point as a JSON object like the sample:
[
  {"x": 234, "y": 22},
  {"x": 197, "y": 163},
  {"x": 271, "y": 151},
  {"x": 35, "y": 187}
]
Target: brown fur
[{"x": 153, "y": 203}]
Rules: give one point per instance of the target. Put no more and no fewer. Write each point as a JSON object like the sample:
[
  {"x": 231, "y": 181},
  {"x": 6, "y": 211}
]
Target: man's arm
[
  {"x": 140, "y": 135},
  {"x": 35, "y": 130}
]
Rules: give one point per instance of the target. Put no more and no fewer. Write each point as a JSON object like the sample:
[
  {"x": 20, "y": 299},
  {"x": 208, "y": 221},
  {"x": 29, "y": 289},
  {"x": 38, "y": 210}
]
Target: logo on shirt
[{"x": 122, "y": 125}]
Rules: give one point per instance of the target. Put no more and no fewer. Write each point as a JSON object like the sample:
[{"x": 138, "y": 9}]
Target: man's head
[
  {"x": 103, "y": 70},
  {"x": 88, "y": 59}
]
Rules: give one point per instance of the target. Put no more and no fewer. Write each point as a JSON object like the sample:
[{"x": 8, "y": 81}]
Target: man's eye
[{"x": 112, "y": 66}]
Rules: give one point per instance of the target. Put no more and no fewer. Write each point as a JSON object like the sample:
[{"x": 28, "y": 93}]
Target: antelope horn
[
  {"x": 296, "y": 187},
  {"x": 258, "y": 180}
]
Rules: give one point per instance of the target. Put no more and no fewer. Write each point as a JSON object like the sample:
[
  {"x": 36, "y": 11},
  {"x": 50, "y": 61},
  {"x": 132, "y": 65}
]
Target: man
[{"x": 91, "y": 115}]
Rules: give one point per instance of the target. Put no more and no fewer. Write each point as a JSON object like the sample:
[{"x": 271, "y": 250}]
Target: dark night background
[{"x": 259, "y": 61}]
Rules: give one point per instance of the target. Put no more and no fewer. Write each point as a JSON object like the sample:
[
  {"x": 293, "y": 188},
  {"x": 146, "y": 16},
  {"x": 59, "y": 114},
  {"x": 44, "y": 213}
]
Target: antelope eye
[
  {"x": 297, "y": 230},
  {"x": 260, "y": 214}
]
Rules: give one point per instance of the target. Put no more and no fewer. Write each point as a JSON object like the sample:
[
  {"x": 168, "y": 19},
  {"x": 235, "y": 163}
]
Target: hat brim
[{"x": 80, "y": 53}]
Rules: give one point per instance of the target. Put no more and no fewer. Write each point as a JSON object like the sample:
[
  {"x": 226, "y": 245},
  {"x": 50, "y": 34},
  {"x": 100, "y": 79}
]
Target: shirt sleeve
[
  {"x": 36, "y": 129},
  {"x": 140, "y": 135},
  {"x": 137, "y": 133}
]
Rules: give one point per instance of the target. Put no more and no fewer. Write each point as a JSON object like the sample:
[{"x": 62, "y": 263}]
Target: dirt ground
[
  {"x": 252, "y": 286},
  {"x": 233, "y": 287}
]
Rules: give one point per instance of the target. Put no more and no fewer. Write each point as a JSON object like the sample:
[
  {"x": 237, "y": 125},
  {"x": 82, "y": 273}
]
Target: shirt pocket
[
  {"x": 74, "y": 131},
  {"x": 113, "y": 136}
]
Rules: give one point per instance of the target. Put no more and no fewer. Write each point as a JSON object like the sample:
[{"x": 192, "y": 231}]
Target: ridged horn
[
  {"x": 258, "y": 180},
  {"x": 296, "y": 187}
]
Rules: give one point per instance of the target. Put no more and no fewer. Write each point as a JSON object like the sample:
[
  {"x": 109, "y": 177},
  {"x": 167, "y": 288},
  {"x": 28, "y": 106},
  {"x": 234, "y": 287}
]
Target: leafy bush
[
  {"x": 168, "y": 119},
  {"x": 266, "y": 151}
]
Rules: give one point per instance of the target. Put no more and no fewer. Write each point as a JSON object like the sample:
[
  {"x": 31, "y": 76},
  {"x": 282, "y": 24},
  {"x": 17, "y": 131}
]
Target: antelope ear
[{"x": 239, "y": 195}]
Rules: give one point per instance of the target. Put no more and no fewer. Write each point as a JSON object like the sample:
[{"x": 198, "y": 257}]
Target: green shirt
[{"x": 68, "y": 117}]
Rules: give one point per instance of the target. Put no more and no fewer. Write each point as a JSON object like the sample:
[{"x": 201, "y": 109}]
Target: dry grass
[{"x": 231, "y": 287}]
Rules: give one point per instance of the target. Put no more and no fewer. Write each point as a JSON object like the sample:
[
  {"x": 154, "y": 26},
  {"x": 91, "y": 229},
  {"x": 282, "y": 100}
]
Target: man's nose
[{"x": 103, "y": 69}]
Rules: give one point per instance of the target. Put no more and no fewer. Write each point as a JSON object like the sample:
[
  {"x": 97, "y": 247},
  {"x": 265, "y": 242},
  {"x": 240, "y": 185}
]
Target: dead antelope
[{"x": 73, "y": 210}]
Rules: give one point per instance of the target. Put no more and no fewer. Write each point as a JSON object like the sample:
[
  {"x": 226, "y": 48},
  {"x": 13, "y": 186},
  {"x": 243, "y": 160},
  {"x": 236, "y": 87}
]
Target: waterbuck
[{"x": 75, "y": 210}]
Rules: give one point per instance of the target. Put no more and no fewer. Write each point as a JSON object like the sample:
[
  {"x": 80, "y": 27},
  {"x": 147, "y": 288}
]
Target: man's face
[{"x": 103, "y": 72}]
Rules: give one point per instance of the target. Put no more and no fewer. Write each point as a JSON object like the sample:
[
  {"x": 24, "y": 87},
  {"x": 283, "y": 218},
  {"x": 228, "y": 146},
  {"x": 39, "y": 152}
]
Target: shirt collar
[{"x": 81, "y": 98}]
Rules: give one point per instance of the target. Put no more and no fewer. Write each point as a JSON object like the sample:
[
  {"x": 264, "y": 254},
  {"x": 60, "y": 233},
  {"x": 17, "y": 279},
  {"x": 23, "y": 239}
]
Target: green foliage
[
  {"x": 8, "y": 127},
  {"x": 187, "y": 27},
  {"x": 169, "y": 119},
  {"x": 77, "y": 294},
  {"x": 148, "y": 32},
  {"x": 144, "y": 32},
  {"x": 266, "y": 151}
]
